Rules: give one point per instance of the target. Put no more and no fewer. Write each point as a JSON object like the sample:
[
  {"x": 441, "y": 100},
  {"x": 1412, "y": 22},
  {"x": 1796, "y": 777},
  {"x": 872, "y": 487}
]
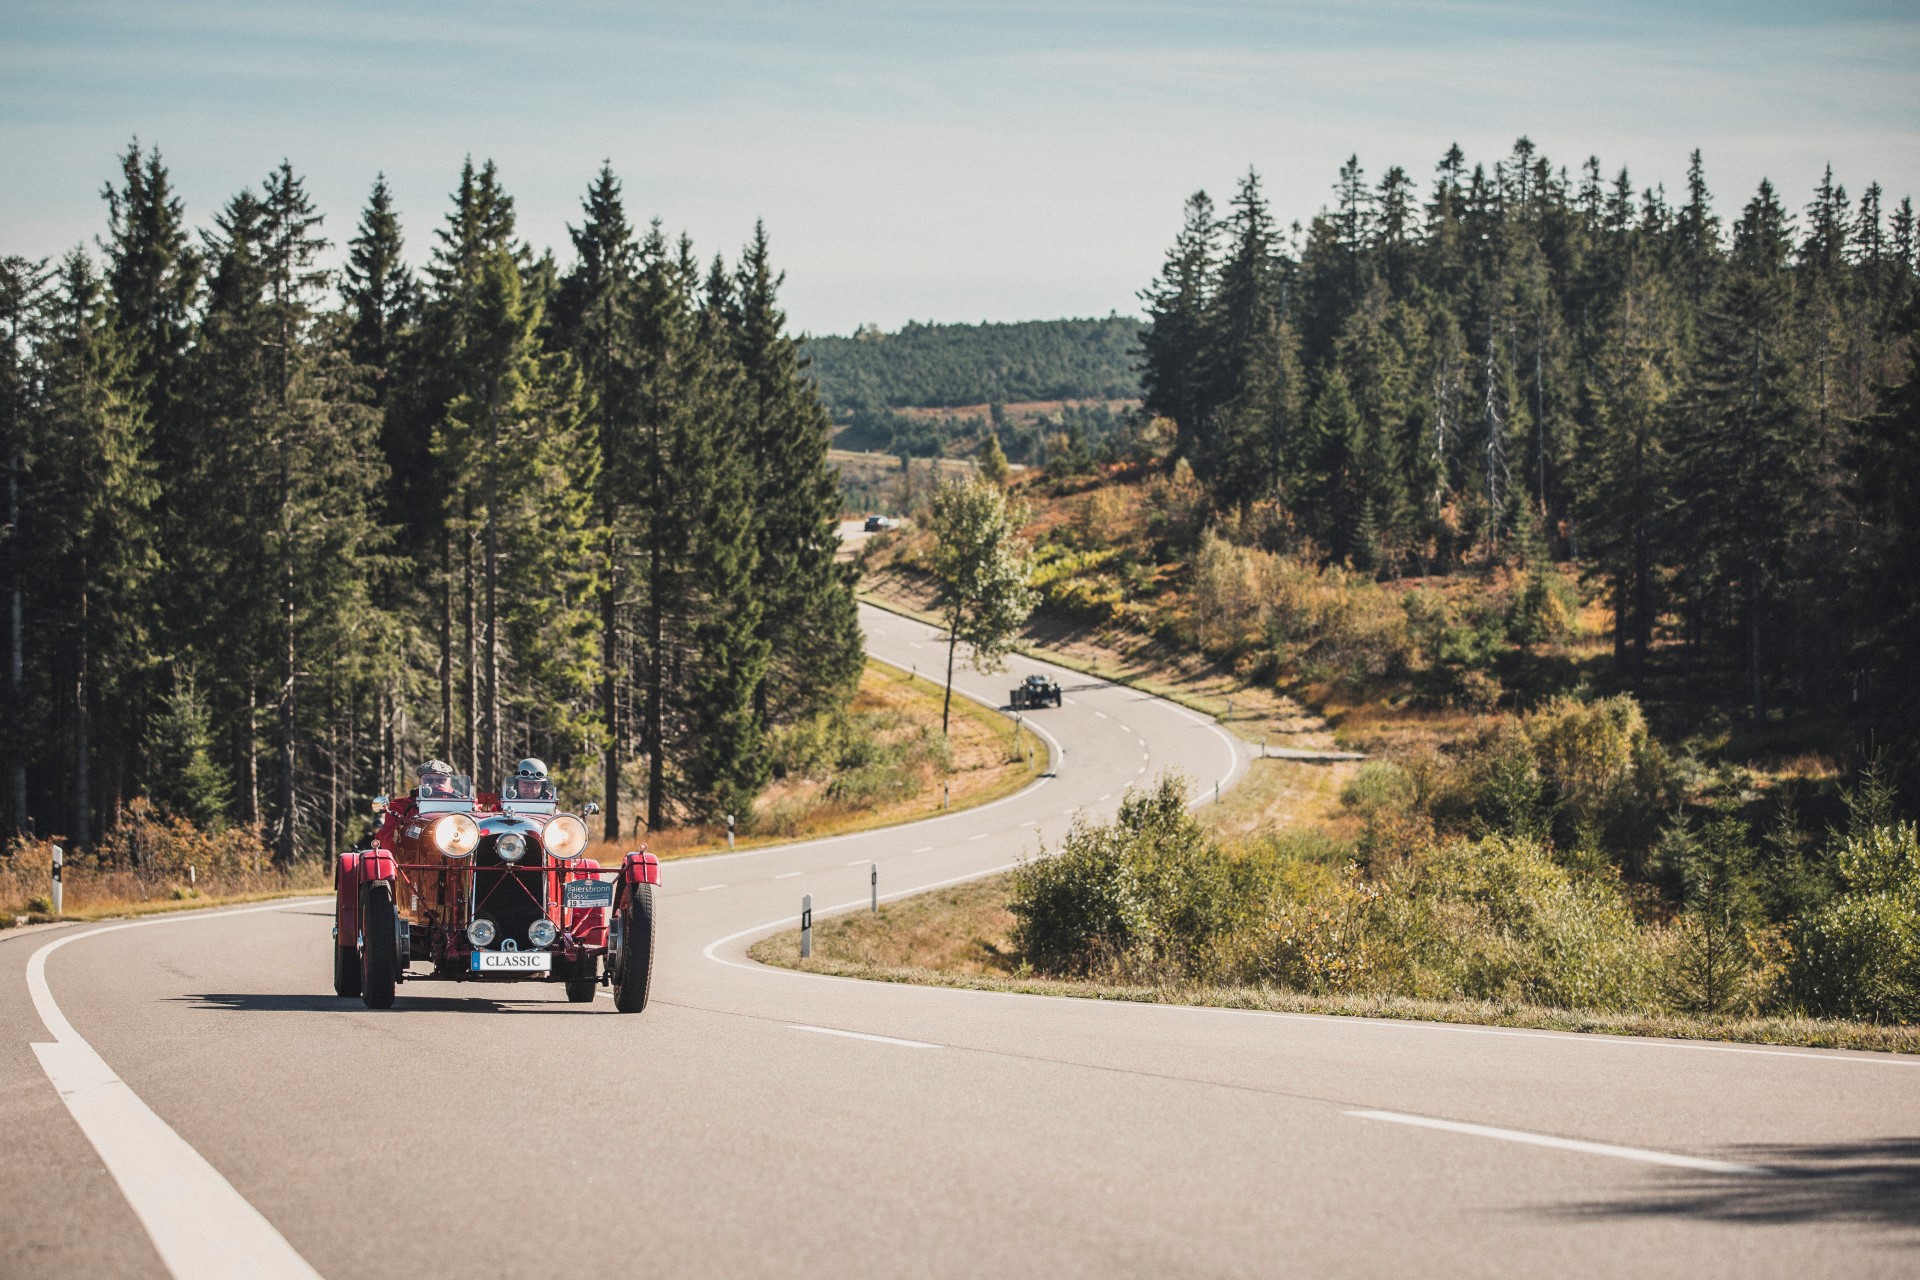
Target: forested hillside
[
  {"x": 1713, "y": 414},
  {"x": 275, "y": 534},
  {"x": 948, "y": 365}
]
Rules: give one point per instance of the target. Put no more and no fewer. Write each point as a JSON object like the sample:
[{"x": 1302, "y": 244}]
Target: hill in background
[
  {"x": 951, "y": 365},
  {"x": 1045, "y": 387}
]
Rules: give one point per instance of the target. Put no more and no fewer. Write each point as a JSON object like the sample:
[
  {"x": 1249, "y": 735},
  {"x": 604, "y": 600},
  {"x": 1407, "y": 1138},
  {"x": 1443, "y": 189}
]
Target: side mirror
[
  {"x": 588, "y": 809},
  {"x": 379, "y": 804}
]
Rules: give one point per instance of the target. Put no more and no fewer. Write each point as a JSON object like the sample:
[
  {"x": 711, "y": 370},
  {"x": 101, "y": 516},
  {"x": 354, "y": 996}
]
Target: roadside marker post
[
  {"x": 946, "y": 795},
  {"x": 729, "y": 831},
  {"x": 59, "y": 857},
  {"x": 1216, "y": 791},
  {"x": 806, "y": 925},
  {"x": 874, "y": 879}
]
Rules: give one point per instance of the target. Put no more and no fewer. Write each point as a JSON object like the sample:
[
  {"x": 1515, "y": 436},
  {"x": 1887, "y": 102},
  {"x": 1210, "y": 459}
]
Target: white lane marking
[
  {"x": 860, "y": 862},
  {"x": 1031, "y": 822},
  {"x": 199, "y": 1225},
  {"x": 1611, "y": 1150},
  {"x": 1141, "y": 769},
  {"x": 709, "y": 888},
  {"x": 1101, "y": 714},
  {"x": 913, "y": 644},
  {"x": 982, "y": 836},
  {"x": 1127, "y": 728},
  {"x": 787, "y": 875},
  {"x": 861, "y": 1035},
  {"x": 925, "y": 848},
  {"x": 1103, "y": 799}
]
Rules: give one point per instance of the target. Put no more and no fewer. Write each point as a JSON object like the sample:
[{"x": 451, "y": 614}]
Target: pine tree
[
  {"x": 22, "y": 309},
  {"x": 153, "y": 275},
  {"x": 89, "y": 495},
  {"x": 1176, "y": 353},
  {"x": 377, "y": 289},
  {"x": 183, "y": 777},
  {"x": 809, "y": 624}
]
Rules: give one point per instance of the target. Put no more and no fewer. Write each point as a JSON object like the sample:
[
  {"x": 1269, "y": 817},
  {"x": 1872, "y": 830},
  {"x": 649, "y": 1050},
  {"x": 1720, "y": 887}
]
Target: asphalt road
[{"x": 757, "y": 1121}]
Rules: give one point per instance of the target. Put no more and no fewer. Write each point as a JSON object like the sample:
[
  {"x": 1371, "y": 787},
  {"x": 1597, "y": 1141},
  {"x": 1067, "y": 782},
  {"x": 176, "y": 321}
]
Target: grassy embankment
[
  {"x": 882, "y": 762},
  {"x": 962, "y": 936}
]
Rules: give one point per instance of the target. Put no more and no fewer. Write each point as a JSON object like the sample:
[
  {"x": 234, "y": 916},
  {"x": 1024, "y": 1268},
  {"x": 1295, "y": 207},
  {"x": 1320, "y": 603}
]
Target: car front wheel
[
  {"x": 632, "y": 960},
  {"x": 379, "y": 947}
]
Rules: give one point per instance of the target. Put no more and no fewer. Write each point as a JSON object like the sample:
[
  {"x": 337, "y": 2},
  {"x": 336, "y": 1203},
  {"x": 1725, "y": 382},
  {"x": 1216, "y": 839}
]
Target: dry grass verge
[{"x": 961, "y": 937}]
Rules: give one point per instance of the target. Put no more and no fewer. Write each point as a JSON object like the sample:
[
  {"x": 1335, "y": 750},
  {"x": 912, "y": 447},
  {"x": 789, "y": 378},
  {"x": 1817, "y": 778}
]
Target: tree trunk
[
  {"x": 82, "y": 832},
  {"x": 471, "y": 685},
  {"x": 490, "y": 754},
  {"x": 1757, "y": 676},
  {"x": 283, "y": 846},
  {"x": 946, "y": 706},
  {"x": 16, "y": 682},
  {"x": 253, "y": 755},
  {"x": 653, "y": 730},
  {"x": 446, "y": 651},
  {"x": 610, "y": 685}
]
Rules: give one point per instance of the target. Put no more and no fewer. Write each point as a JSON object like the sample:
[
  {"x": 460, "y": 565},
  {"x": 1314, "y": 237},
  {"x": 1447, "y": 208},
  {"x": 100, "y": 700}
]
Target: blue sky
[{"x": 956, "y": 161}]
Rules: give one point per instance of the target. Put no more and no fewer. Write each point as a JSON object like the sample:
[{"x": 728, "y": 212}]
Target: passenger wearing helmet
[{"x": 529, "y": 781}]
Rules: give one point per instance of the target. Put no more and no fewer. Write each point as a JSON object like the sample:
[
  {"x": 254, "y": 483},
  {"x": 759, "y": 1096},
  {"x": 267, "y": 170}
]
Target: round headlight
[
  {"x": 565, "y": 837},
  {"x": 456, "y": 835},
  {"x": 510, "y": 847},
  {"x": 481, "y": 932},
  {"x": 542, "y": 932}
]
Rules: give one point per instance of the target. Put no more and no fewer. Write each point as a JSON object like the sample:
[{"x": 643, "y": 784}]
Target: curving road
[{"x": 187, "y": 1093}]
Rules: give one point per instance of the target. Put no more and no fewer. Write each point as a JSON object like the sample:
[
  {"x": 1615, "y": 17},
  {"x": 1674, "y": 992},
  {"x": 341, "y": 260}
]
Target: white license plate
[{"x": 513, "y": 962}]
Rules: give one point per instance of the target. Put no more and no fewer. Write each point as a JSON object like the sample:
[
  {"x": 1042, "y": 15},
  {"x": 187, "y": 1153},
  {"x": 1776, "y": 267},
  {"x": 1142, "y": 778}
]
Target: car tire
[
  {"x": 379, "y": 947},
  {"x": 632, "y": 968},
  {"x": 581, "y": 990},
  {"x": 346, "y": 972}
]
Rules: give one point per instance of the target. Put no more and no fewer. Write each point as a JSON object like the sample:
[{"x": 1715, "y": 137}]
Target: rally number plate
[
  {"x": 587, "y": 893},
  {"x": 512, "y": 962}
]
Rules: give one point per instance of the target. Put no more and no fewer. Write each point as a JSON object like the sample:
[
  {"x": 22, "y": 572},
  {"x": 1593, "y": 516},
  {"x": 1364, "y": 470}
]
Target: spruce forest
[
  {"x": 277, "y": 533},
  {"x": 1714, "y": 415}
]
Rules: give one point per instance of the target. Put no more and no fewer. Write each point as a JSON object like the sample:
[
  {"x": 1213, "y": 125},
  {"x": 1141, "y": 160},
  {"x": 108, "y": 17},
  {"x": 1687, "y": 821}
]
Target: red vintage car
[{"x": 490, "y": 888}]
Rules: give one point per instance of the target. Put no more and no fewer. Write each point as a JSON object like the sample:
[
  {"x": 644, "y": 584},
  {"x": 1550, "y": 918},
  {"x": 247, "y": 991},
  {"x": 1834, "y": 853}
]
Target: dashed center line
[
  {"x": 860, "y": 862},
  {"x": 1611, "y": 1150},
  {"x": 982, "y": 836},
  {"x": 1031, "y": 822},
  {"x": 925, "y": 848},
  {"x": 1101, "y": 714},
  {"x": 709, "y": 888},
  {"x": 861, "y": 1035},
  {"x": 786, "y": 875}
]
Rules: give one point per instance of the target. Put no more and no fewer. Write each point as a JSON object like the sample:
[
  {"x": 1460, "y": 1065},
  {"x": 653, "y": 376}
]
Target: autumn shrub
[{"x": 146, "y": 856}]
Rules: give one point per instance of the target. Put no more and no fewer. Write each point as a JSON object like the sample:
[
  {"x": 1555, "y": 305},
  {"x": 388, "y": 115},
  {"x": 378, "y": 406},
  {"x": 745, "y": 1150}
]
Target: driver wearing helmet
[{"x": 530, "y": 781}]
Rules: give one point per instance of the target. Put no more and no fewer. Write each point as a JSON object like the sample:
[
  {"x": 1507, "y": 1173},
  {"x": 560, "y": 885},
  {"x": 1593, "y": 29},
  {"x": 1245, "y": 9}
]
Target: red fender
[
  {"x": 635, "y": 868},
  {"x": 352, "y": 873},
  {"x": 346, "y": 899}
]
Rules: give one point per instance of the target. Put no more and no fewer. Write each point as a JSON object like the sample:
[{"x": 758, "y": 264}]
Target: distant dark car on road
[
  {"x": 1035, "y": 691},
  {"x": 879, "y": 524}
]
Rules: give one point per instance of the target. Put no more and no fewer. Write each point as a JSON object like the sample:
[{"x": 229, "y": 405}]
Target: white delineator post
[
  {"x": 874, "y": 880},
  {"x": 729, "y": 831},
  {"x": 59, "y": 857},
  {"x": 806, "y": 925}
]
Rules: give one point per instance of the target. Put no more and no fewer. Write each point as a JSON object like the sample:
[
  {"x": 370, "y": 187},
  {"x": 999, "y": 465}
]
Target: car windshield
[
  {"x": 526, "y": 790},
  {"x": 445, "y": 786}
]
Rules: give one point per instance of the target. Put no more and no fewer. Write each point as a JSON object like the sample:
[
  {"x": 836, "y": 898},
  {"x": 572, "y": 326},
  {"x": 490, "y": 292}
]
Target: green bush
[
  {"x": 1146, "y": 896},
  {"x": 1859, "y": 956}
]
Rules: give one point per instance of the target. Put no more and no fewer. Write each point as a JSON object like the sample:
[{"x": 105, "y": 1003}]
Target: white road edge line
[
  {"x": 861, "y": 1035},
  {"x": 200, "y": 1226},
  {"x": 1611, "y": 1150}
]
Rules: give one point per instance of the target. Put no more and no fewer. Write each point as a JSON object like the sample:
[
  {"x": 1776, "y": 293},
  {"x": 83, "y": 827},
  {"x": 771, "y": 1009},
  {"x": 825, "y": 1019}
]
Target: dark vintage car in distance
[
  {"x": 490, "y": 888},
  {"x": 880, "y": 524},
  {"x": 1035, "y": 691}
]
